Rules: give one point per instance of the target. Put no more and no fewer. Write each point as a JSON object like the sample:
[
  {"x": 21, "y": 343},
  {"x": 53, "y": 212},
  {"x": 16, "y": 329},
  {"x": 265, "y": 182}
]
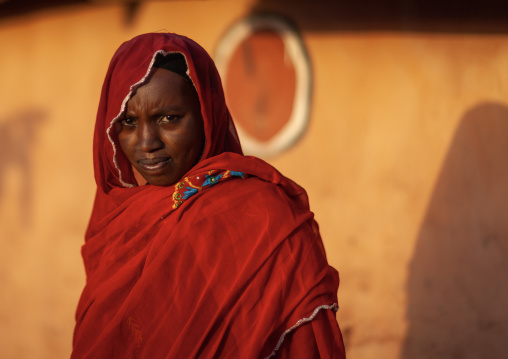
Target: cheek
[
  {"x": 187, "y": 139},
  {"x": 179, "y": 143},
  {"x": 126, "y": 143},
  {"x": 196, "y": 140},
  {"x": 197, "y": 135}
]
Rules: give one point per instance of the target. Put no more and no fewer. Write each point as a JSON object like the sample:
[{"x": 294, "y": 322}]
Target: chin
[{"x": 161, "y": 178}]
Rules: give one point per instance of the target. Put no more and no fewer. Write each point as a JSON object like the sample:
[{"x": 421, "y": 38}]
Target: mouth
[{"x": 154, "y": 164}]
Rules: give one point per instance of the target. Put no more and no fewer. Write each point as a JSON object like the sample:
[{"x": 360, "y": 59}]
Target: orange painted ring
[{"x": 267, "y": 81}]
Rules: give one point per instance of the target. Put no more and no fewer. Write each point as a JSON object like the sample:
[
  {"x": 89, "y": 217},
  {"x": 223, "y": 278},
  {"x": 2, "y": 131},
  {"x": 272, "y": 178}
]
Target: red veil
[{"x": 228, "y": 262}]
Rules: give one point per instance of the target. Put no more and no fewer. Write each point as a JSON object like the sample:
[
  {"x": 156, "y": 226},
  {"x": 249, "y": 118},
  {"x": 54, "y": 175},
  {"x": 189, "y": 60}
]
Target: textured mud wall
[{"x": 404, "y": 161}]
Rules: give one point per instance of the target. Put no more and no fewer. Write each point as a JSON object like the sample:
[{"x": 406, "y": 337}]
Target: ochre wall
[{"x": 403, "y": 160}]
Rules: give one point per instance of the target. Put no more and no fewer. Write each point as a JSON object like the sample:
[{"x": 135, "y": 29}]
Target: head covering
[
  {"x": 226, "y": 262},
  {"x": 129, "y": 69}
]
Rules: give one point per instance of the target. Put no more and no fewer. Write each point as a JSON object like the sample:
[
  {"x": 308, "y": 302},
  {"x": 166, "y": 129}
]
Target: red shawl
[{"x": 228, "y": 262}]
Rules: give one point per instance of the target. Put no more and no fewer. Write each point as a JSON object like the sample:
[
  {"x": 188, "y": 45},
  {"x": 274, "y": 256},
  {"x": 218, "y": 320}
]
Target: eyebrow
[
  {"x": 167, "y": 108},
  {"x": 156, "y": 110}
]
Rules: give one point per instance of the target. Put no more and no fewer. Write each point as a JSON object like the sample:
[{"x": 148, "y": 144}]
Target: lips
[{"x": 154, "y": 164}]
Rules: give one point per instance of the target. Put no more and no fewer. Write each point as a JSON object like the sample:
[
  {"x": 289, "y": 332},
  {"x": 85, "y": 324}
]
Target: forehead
[
  {"x": 164, "y": 80},
  {"x": 166, "y": 85}
]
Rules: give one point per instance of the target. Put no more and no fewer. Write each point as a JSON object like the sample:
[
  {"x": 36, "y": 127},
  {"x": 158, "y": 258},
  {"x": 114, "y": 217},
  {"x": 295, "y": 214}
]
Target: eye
[
  {"x": 168, "y": 118},
  {"x": 127, "y": 121}
]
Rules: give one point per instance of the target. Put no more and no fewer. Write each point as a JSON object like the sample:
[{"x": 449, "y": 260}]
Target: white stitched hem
[{"x": 334, "y": 307}]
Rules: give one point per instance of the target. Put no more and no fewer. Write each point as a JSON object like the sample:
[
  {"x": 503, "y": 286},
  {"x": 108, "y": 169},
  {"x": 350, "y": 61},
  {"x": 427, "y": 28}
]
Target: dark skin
[{"x": 162, "y": 132}]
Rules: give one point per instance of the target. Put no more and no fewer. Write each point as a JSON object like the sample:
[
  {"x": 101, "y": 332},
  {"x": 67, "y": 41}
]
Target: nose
[{"x": 149, "y": 137}]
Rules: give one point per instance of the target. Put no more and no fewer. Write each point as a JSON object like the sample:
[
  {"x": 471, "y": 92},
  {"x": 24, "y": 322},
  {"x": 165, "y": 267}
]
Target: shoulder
[
  {"x": 252, "y": 196},
  {"x": 249, "y": 208}
]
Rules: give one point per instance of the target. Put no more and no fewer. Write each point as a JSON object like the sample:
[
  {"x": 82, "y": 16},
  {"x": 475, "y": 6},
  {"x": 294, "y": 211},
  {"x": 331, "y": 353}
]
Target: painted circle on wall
[{"x": 267, "y": 82}]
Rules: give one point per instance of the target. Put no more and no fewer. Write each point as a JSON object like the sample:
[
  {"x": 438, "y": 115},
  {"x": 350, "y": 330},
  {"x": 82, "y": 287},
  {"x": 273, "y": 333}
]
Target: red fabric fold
[{"x": 223, "y": 274}]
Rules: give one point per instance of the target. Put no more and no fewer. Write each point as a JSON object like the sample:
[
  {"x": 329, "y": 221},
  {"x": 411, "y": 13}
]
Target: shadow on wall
[
  {"x": 17, "y": 140},
  {"x": 458, "y": 277}
]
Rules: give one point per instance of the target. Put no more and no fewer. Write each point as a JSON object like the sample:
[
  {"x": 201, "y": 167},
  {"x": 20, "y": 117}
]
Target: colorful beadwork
[{"x": 189, "y": 186}]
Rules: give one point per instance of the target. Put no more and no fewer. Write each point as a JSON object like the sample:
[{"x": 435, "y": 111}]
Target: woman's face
[{"x": 162, "y": 131}]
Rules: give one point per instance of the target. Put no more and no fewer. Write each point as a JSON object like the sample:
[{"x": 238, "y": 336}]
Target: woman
[{"x": 194, "y": 250}]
